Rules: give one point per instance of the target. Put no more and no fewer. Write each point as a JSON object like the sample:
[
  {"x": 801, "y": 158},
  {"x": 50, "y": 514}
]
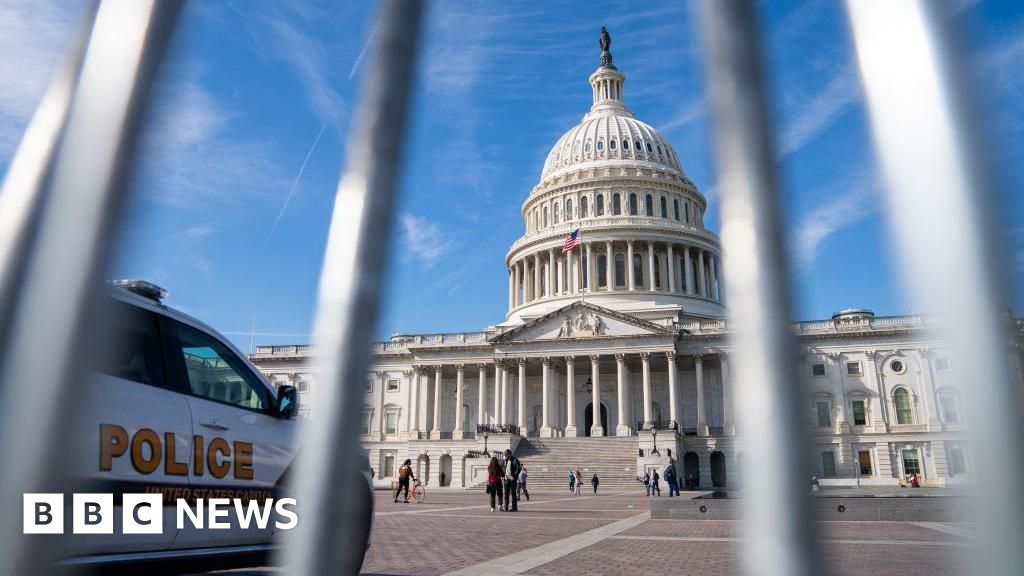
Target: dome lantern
[{"x": 606, "y": 82}]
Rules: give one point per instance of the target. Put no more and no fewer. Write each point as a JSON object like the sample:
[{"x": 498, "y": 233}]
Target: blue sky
[{"x": 243, "y": 149}]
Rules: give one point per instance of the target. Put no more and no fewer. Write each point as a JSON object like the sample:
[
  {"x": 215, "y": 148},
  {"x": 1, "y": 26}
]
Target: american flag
[{"x": 571, "y": 241}]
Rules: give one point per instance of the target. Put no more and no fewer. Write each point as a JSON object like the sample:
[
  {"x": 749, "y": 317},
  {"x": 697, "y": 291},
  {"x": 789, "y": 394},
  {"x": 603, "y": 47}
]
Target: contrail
[
  {"x": 295, "y": 183},
  {"x": 362, "y": 53}
]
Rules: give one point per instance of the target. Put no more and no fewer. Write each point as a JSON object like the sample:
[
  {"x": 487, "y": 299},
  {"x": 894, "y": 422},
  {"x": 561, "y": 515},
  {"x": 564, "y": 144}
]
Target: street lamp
[
  {"x": 486, "y": 453},
  {"x": 654, "y": 434}
]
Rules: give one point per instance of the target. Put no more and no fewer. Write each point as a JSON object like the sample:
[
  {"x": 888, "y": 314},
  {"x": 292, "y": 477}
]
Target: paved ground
[{"x": 454, "y": 532}]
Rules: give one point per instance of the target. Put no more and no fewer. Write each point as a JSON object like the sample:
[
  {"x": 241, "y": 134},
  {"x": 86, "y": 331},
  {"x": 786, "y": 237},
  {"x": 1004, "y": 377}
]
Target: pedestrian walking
[
  {"x": 647, "y": 483},
  {"x": 654, "y": 483},
  {"x": 404, "y": 475},
  {"x": 671, "y": 478},
  {"x": 522, "y": 482},
  {"x": 512, "y": 469},
  {"x": 579, "y": 481},
  {"x": 572, "y": 482},
  {"x": 494, "y": 474},
  {"x": 595, "y": 482}
]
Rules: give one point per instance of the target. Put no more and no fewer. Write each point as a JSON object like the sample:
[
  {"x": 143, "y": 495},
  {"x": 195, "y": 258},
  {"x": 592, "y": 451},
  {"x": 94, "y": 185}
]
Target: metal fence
[{"x": 64, "y": 190}]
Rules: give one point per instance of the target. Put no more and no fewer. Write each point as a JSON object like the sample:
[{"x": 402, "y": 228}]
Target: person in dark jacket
[
  {"x": 494, "y": 474},
  {"x": 671, "y": 478},
  {"x": 511, "y": 475},
  {"x": 595, "y": 482}
]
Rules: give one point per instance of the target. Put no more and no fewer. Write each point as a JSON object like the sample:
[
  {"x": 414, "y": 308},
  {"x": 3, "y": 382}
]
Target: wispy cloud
[
  {"x": 425, "y": 239},
  {"x": 689, "y": 113},
  {"x": 817, "y": 113},
  {"x": 838, "y": 212}
]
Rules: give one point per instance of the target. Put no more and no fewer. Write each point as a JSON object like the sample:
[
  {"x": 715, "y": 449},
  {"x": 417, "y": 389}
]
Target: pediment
[{"x": 579, "y": 321}]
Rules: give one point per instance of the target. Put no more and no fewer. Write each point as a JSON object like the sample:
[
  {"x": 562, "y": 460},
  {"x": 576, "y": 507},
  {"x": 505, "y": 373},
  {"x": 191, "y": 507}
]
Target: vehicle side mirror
[{"x": 287, "y": 401}]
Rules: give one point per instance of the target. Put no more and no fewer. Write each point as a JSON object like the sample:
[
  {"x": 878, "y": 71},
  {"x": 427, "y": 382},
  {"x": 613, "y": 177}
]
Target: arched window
[
  {"x": 638, "y": 270},
  {"x": 576, "y": 149},
  {"x": 600, "y": 205},
  {"x": 600, "y": 145},
  {"x": 659, "y": 149},
  {"x": 664, "y": 207},
  {"x": 583, "y": 207},
  {"x": 675, "y": 208},
  {"x": 687, "y": 206},
  {"x": 625, "y": 144},
  {"x": 611, "y": 144},
  {"x": 545, "y": 216},
  {"x": 586, "y": 147},
  {"x": 649, "y": 205},
  {"x": 616, "y": 204},
  {"x": 904, "y": 412},
  {"x": 636, "y": 146},
  {"x": 557, "y": 212},
  {"x": 633, "y": 209},
  {"x": 602, "y": 270},
  {"x": 568, "y": 209},
  {"x": 649, "y": 149},
  {"x": 620, "y": 270}
]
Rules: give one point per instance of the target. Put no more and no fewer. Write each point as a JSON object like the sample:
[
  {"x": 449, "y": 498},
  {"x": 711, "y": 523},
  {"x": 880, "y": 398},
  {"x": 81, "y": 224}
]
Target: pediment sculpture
[{"x": 583, "y": 323}]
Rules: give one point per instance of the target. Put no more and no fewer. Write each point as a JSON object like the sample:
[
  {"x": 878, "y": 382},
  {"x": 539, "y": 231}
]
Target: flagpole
[{"x": 583, "y": 287}]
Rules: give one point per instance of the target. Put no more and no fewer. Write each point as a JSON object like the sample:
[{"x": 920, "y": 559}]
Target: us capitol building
[{"x": 616, "y": 354}]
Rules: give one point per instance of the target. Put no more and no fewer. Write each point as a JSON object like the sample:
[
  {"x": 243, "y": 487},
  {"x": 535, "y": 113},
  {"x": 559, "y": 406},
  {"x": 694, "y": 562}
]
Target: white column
[
  {"x": 689, "y": 269},
  {"x": 730, "y": 427},
  {"x": 381, "y": 384},
  {"x": 610, "y": 266},
  {"x": 838, "y": 393},
  {"x": 435, "y": 431},
  {"x": 511, "y": 288},
  {"x": 537, "y": 292},
  {"x": 506, "y": 389},
  {"x": 498, "y": 392},
  {"x": 521, "y": 420},
  {"x": 713, "y": 292},
  {"x": 671, "y": 260},
  {"x": 551, "y": 273},
  {"x": 414, "y": 404},
  {"x": 570, "y": 396},
  {"x": 526, "y": 281},
  {"x": 673, "y": 393},
  {"x": 701, "y": 278},
  {"x": 590, "y": 269},
  {"x": 650, "y": 266},
  {"x": 645, "y": 361},
  {"x": 702, "y": 418},
  {"x": 595, "y": 378},
  {"x": 622, "y": 428},
  {"x": 545, "y": 428},
  {"x": 630, "y": 274},
  {"x": 930, "y": 400},
  {"x": 481, "y": 403},
  {"x": 403, "y": 425},
  {"x": 460, "y": 371}
]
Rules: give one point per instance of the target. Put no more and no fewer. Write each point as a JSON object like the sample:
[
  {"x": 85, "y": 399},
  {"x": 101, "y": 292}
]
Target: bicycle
[{"x": 419, "y": 492}]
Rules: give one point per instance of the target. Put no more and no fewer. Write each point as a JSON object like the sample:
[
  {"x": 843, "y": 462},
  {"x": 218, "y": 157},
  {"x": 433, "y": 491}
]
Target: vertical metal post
[
  {"x": 67, "y": 181},
  {"x": 327, "y": 474},
  {"x": 928, "y": 149},
  {"x": 776, "y": 506}
]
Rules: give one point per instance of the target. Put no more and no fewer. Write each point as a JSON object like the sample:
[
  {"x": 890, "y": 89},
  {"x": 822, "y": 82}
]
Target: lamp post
[
  {"x": 654, "y": 434},
  {"x": 486, "y": 453}
]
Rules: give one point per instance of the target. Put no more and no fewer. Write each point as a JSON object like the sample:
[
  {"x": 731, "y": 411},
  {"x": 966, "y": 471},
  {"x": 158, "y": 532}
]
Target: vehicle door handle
[{"x": 212, "y": 424}]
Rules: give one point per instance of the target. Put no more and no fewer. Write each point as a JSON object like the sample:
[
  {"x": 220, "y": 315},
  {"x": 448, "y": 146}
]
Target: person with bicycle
[{"x": 404, "y": 475}]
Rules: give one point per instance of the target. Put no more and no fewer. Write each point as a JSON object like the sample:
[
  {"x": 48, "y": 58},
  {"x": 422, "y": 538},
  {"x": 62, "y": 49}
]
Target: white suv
[{"x": 175, "y": 408}]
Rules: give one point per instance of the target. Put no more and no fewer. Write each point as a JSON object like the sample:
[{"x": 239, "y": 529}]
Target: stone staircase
[{"x": 548, "y": 461}]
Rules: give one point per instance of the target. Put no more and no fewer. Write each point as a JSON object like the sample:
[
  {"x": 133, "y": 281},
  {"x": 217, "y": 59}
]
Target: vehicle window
[
  {"x": 215, "y": 372},
  {"x": 134, "y": 350}
]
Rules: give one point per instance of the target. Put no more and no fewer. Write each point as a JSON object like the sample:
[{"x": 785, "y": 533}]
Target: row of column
[
  {"x": 551, "y": 273},
  {"x": 503, "y": 371}
]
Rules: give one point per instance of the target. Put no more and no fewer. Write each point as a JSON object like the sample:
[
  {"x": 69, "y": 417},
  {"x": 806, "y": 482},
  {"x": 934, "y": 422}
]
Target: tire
[{"x": 421, "y": 495}]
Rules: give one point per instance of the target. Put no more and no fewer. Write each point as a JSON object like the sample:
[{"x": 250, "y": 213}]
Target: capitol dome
[{"x": 643, "y": 250}]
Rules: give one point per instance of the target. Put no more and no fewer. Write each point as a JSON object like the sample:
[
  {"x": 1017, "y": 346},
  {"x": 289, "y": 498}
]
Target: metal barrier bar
[
  {"x": 776, "y": 507},
  {"x": 71, "y": 186},
  {"x": 349, "y": 285},
  {"x": 928, "y": 148}
]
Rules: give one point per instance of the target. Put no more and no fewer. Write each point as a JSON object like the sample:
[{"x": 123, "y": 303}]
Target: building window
[
  {"x": 599, "y": 206},
  {"x": 657, "y": 272},
  {"x": 545, "y": 217},
  {"x": 625, "y": 144},
  {"x": 942, "y": 364},
  {"x": 392, "y": 384},
  {"x": 664, "y": 207},
  {"x": 303, "y": 386},
  {"x": 568, "y": 209},
  {"x": 904, "y": 413},
  {"x": 616, "y": 205},
  {"x": 638, "y": 270},
  {"x": 817, "y": 369},
  {"x": 364, "y": 422},
  {"x": 636, "y": 145},
  {"x": 824, "y": 418},
  {"x": 828, "y": 464},
  {"x": 620, "y": 270},
  {"x": 675, "y": 208},
  {"x": 649, "y": 149},
  {"x": 557, "y": 213},
  {"x": 950, "y": 409},
  {"x": 611, "y": 144},
  {"x": 586, "y": 147},
  {"x": 583, "y": 207},
  {"x": 864, "y": 462},
  {"x": 911, "y": 462},
  {"x": 602, "y": 270},
  {"x": 391, "y": 422},
  {"x": 649, "y": 205},
  {"x": 369, "y": 384},
  {"x": 860, "y": 416},
  {"x": 687, "y": 209},
  {"x": 853, "y": 368},
  {"x": 633, "y": 207},
  {"x": 600, "y": 145},
  {"x": 387, "y": 465},
  {"x": 957, "y": 462}
]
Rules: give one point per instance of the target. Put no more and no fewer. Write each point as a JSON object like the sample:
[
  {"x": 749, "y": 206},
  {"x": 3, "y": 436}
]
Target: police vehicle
[{"x": 173, "y": 408}]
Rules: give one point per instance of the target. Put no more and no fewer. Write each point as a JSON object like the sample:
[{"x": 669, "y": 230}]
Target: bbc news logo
[{"x": 144, "y": 513}]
